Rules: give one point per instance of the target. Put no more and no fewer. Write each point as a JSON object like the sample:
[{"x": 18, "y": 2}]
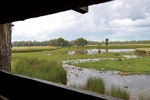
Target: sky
[{"x": 118, "y": 20}]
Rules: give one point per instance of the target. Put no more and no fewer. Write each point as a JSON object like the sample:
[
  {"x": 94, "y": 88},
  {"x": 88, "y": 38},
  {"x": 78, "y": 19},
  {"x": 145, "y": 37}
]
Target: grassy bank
[
  {"x": 95, "y": 84},
  {"x": 24, "y": 49},
  {"x": 128, "y": 66},
  {"x": 44, "y": 69},
  {"x": 134, "y": 66}
]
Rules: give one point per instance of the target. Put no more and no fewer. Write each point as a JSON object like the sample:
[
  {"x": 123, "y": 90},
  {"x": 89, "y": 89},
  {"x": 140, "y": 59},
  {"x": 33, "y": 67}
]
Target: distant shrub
[
  {"x": 140, "y": 53},
  {"x": 80, "y": 51},
  {"x": 116, "y": 54}
]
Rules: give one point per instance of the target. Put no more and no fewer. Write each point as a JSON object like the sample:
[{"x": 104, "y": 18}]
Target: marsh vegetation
[{"x": 46, "y": 63}]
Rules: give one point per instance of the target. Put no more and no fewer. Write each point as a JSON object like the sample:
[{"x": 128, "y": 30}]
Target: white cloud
[
  {"x": 121, "y": 23},
  {"x": 117, "y": 20},
  {"x": 130, "y": 23}
]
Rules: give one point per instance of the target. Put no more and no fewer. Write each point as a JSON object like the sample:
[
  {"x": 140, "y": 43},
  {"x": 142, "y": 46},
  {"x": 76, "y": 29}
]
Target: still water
[
  {"x": 135, "y": 84},
  {"x": 96, "y": 51}
]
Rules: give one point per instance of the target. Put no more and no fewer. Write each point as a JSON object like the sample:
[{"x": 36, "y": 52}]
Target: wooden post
[{"x": 5, "y": 46}]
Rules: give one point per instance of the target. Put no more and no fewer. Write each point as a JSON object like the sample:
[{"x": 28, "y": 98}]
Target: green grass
[
  {"x": 44, "y": 63},
  {"x": 142, "y": 52},
  {"x": 144, "y": 96},
  {"x": 24, "y": 49},
  {"x": 119, "y": 93},
  {"x": 44, "y": 69},
  {"x": 131, "y": 66},
  {"x": 95, "y": 85},
  {"x": 134, "y": 66}
]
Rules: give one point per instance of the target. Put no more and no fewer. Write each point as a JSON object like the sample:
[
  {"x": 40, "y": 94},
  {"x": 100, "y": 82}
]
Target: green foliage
[
  {"x": 44, "y": 69},
  {"x": 59, "y": 42},
  {"x": 106, "y": 41},
  {"x": 80, "y": 51},
  {"x": 26, "y": 49},
  {"x": 116, "y": 54},
  {"x": 42, "y": 64},
  {"x": 95, "y": 85},
  {"x": 70, "y": 43},
  {"x": 80, "y": 42},
  {"x": 144, "y": 96},
  {"x": 141, "y": 53},
  {"x": 130, "y": 66},
  {"x": 119, "y": 93}
]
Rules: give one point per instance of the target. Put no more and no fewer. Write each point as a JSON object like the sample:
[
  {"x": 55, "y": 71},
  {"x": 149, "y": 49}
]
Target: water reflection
[
  {"x": 118, "y": 50},
  {"x": 96, "y": 51},
  {"x": 136, "y": 84}
]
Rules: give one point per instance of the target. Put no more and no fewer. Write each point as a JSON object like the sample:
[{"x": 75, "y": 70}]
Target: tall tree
[
  {"x": 81, "y": 42},
  {"x": 5, "y": 46},
  {"x": 106, "y": 41},
  {"x": 62, "y": 42}
]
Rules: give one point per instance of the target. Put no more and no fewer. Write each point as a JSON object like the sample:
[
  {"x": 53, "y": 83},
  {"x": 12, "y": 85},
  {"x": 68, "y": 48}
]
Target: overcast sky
[{"x": 118, "y": 20}]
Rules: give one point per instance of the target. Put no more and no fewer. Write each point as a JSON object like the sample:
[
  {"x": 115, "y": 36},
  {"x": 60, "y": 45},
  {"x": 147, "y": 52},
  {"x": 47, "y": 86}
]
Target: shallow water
[
  {"x": 96, "y": 51},
  {"x": 135, "y": 84}
]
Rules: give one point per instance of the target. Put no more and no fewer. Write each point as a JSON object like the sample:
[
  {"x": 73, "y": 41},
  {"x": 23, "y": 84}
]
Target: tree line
[
  {"x": 53, "y": 42},
  {"x": 78, "y": 42}
]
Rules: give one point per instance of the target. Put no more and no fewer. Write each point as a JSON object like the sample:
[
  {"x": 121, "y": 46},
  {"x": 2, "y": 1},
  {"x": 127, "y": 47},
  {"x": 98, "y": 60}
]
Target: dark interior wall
[
  {"x": 20, "y": 10},
  {"x": 15, "y": 87}
]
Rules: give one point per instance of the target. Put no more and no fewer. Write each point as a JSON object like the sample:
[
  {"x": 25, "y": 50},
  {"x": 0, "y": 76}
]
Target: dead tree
[{"x": 5, "y": 46}]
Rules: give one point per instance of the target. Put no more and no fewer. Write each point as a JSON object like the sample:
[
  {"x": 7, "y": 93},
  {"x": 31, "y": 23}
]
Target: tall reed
[
  {"x": 95, "y": 85},
  {"x": 44, "y": 69},
  {"x": 119, "y": 93}
]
